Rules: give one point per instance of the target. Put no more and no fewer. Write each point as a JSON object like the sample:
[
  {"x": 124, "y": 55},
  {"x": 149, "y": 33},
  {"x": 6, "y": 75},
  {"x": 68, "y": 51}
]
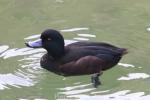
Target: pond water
[{"x": 122, "y": 23}]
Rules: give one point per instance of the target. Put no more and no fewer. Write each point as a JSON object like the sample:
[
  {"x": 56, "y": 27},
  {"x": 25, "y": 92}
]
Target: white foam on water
[
  {"x": 86, "y": 35},
  {"x": 133, "y": 76},
  {"x": 126, "y": 65},
  {"x": 119, "y": 95},
  {"x": 3, "y": 48},
  {"x": 82, "y": 39},
  {"x": 74, "y": 29},
  {"x": 14, "y": 80}
]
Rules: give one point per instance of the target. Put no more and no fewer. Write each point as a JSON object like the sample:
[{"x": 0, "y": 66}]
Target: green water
[{"x": 121, "y": 22}]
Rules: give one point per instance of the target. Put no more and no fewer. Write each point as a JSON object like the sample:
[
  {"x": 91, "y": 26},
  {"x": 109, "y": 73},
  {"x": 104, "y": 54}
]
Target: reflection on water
[
  {"x": 3, "y": 48},
  {"x": 74, "y": 29},
  {"x": 81, "y": 92},
  {"x": 132, "y": 76},
  {"x": 14, "y": 80},
  {"x": 126, "y": 65},
  {"x": 79, "y": 38},
  {"x": 119, "y": 95},
  {"x": 65, "y": 30},
  {"x": 29, "y": 63},
  {"x": 19, "y": 52},
  {"x": 86, "y": 35},
  {"x": 24, "y": 76}
]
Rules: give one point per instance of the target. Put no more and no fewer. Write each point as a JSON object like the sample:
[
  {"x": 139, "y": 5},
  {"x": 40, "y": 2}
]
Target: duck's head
[{"x": 51, "y": 40}]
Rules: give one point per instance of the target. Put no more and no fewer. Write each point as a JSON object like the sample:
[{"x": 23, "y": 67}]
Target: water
[{"x": 123, "y": 23}]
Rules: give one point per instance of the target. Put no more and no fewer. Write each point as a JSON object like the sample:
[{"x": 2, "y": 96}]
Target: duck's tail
[{"x": 123, "y": 51}]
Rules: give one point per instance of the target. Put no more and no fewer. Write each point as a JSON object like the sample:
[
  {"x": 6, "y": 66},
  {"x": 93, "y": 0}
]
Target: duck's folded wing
[
  {"x": 83, "y": 44},
  {"x": 85, "y": 65}
]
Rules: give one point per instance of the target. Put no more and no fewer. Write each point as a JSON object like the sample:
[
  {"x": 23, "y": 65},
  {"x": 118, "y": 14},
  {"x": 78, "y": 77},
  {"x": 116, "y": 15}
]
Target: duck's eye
[{"x": 49, "y": 39}]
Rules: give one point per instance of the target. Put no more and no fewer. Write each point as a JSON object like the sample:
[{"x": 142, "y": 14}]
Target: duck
[{"x": 75, "y": 59}]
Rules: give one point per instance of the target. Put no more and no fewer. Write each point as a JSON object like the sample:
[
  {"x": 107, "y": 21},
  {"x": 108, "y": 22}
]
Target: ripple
[
  {"x": 65, "y": 30},
  {"x": 74, "y": 87},
  {"x": 32, "y": 37},
  {"x": 87, "y": 35},
  {"x": 14, "y": 80},
  {"x": 74, "y": 29},
  {"x": 133, "y": 76},
  {"x": 126, "y": 65},
  {"x": 81, "y": 39},
  {"x": 3, "y": 48},
  {"x": 67, "y": 42},
  {"x": 119, "y": 95},
  {"x": 148, "y": 29},
  {"x": 77, "y": 91},
  {"x": 20, "y": 52}
]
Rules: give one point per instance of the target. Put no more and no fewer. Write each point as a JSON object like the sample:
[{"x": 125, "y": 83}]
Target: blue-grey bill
[{"x": 34, "y": 44}]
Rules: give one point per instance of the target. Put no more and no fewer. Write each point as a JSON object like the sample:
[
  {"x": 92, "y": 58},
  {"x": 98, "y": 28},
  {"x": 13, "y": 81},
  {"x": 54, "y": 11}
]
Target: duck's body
[
  {"x": 79, "y": 58},
  {"x": 82, "y": 58}
]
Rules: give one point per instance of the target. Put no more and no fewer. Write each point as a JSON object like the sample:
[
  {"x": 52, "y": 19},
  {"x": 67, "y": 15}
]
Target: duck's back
[{"x": 109, "y": 53}]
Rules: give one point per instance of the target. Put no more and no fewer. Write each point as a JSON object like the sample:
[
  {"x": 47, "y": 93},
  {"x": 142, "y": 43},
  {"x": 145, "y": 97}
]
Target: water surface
[{"x": 122, "y": 23}]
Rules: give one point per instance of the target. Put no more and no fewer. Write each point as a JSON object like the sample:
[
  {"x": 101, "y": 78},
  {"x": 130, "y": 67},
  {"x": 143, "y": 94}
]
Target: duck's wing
[
  {"x": 98, "y": 44},
  {"x": 84, "y": 65}
]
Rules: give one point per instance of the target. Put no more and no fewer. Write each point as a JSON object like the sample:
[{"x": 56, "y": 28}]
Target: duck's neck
[{"x": 56, "y": 51}]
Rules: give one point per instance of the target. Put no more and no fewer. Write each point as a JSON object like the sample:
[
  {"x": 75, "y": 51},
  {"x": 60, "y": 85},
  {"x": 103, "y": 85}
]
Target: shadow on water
[{"x": 28, "y": 72}]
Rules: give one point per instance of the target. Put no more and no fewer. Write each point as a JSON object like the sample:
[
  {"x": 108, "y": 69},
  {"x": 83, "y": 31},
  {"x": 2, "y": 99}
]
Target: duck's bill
[{"x": 34, "y": 44}]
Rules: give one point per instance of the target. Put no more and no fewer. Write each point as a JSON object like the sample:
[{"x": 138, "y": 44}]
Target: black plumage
[{"x": 79, "y": 58}]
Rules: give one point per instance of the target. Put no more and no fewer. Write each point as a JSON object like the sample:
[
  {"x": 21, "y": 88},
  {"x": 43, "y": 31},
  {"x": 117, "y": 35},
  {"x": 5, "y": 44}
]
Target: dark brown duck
[{"x": 79, "y": 58}]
